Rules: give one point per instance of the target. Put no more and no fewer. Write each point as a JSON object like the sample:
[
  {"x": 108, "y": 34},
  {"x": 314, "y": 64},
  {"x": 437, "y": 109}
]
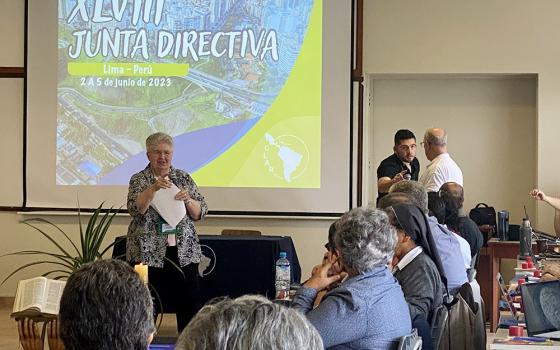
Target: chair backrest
[
  {"x": 471, "y": 272},
  {"x": 466, "y": 329},
  {"x": 439, "y": 325},
  {"x": 410, "y": 341},
  {"x": 239, "y": 232}
]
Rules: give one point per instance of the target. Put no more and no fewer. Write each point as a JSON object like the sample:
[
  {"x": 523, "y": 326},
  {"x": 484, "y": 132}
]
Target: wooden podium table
[{"x": 488, "y": 267}]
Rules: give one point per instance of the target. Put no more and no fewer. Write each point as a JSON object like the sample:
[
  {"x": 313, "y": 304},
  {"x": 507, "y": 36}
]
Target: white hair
[
  {"x": 250, "y": 322},
  {"x": 157, "y": 138},
  {"x": 365, "y": 239}
]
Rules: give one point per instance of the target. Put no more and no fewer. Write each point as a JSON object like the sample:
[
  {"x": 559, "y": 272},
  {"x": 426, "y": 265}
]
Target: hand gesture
[
  {"x": 320, "y": 278},
  {"x": 538, "y": 194},
  {"x": 161, "y": 182},
  {"x": 182, "y": 195},
  {"x": 399, "y": 177}
]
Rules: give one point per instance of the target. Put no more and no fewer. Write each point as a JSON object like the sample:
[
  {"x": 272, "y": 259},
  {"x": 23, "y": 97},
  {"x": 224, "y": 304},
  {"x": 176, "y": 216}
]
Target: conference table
[
  {"x": 489, "y": 266},
  {"x": 236, "y": 265}
]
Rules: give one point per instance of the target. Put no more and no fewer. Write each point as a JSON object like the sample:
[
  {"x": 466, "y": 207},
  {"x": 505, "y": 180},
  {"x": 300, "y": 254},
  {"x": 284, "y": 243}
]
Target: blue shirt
[
  {"x": 367, "y": 311},
  {"x": 450, "y": 254}
]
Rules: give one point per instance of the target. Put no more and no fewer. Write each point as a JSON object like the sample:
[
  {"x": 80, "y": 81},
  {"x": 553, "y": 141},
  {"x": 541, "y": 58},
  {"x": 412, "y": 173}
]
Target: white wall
[
  {"x": 491, "y": 131},
  {"x": 476, "y": 37}
]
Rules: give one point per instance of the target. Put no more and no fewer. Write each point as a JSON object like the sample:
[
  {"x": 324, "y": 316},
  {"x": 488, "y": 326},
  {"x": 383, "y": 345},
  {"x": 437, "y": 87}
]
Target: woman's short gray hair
[
  {"x": 248, "y": 322},
  {"x": 156, "y": 138},
  {"x": 415, "y": 190},
  {"x": 365, "y": 239}
]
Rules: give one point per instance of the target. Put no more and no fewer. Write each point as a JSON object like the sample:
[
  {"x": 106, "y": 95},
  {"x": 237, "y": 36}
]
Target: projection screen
[{"x": 255, "y": 93}]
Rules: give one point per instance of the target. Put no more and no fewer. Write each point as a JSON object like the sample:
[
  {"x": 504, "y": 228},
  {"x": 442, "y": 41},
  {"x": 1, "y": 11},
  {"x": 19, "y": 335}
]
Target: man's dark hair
[
  {"x": 403, "y": 134},
  {"x": 331, "y": 246},
  {"x": 436, "y": 207},
  {"x": 105, "y": 306},
  {"x": 453, "y": 197}
]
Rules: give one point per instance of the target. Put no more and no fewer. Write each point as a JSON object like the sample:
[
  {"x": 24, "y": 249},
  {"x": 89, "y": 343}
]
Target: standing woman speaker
[{"x": 151, "y": 240}]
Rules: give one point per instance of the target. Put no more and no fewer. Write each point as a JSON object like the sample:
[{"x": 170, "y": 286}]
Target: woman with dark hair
[{"x": 416, "y": 266}]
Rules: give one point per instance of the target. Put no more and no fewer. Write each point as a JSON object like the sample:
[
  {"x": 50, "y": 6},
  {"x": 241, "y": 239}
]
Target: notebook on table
[{"x": 542, "y": 308}]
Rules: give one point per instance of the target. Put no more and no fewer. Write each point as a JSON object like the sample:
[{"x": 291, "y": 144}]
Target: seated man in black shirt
[{"x": 402, "y": 164}]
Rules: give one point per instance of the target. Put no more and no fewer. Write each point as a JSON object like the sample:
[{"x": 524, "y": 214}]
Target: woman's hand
[
  {"x": 161, "y": 182},
  {"x": 183, "y": 195},
  {"x": 321, "y": 278}
]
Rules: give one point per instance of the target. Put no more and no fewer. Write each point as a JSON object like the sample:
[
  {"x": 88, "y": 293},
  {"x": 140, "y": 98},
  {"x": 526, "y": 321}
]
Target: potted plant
[{"x": 65, "y": 260}]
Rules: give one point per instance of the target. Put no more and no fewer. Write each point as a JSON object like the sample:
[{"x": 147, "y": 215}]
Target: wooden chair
[{"x": 238, "y": 232}]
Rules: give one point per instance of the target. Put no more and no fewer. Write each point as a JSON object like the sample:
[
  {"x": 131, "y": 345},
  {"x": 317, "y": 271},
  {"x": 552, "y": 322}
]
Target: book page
[
  {"x": 53, "y": 294},
  {"x": 30, "y": 294}
]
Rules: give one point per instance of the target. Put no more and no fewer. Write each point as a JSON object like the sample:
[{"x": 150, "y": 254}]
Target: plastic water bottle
[{"x": 283, "y": 277}]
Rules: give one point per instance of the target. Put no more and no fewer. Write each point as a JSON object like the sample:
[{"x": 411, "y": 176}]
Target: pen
[{"x": 533, "y": 339}]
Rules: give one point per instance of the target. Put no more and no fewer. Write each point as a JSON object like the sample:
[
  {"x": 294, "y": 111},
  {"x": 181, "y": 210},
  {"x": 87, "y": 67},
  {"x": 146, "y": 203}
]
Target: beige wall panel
[
  {"x": 491, "y": 132},
  {"x": 474, "y": 37},
  {"x": 11, "y": 144},
  {"x": 12, "y": 32}
]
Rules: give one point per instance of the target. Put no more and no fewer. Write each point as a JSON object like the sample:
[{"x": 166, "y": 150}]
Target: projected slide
[{"x": 237, "y": 83}]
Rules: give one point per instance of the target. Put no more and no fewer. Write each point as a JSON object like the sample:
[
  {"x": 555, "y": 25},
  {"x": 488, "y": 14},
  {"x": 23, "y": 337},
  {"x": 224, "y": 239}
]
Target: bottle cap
[{"x": 283, "y": 255}]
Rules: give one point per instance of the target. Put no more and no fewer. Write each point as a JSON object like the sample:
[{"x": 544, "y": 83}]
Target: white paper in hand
[{"x": 170, "y": 209}]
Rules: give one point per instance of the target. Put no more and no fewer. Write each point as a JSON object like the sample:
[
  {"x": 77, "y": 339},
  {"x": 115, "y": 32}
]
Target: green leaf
[
  {"x": 91, "y": 240},
  {"x": 68, "y": 261},
  {"x": 53, "y": 241},
  {"x": 29, "y": 265},
  {"x": 47, "y": 274},
  {"x": 56, "y": 227}
]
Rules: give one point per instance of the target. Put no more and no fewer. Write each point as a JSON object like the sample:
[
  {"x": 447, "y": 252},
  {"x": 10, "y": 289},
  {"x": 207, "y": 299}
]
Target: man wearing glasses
[
  {"x": 401, "y": 165},
  {"x": 441, "y": 168}
]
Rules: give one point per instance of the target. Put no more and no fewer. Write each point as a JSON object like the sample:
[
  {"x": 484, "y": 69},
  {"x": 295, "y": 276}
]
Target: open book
[{"x": 37, "y": 296}]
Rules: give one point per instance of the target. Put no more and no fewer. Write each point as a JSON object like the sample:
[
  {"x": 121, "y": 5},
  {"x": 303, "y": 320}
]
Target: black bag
[{"x": 482, "y": 214}]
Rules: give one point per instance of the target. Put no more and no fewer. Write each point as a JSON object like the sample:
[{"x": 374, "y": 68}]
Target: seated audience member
[
  {"x": 436, "y": 208},
  {"x": 105, "y": 306},
  {"x": 250, "y": 322},
  {"x": 454, "y": 259},
  {"x": 553, "y": 202},
  {"x": 551, "y": 271},
  {"x": 368, "y": 310},
  {"x": 453, "y": 197},
  {"x": 335, "y": 268},
  {"x": 418, "y": 267}
]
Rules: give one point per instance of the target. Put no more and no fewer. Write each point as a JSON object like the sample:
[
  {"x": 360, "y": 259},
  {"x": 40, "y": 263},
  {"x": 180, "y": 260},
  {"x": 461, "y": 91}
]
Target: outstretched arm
[{"x": 553, "y": 202}]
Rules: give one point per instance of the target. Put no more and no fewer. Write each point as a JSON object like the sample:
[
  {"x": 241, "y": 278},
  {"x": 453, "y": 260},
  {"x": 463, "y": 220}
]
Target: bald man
[{"x": 441, "y": 168}]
